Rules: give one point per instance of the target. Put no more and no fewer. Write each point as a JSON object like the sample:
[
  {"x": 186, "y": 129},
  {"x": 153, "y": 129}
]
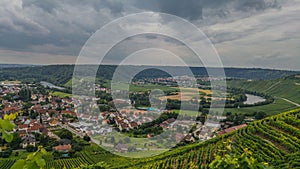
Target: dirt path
[
  {"x": 276, "y": 144},
  {"x": 287, "y": 100},
  {"x": 272, "y": 86}
]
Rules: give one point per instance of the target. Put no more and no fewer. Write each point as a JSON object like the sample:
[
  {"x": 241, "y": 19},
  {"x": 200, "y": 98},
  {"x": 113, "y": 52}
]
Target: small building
[
  {"x": 65, "y": 142},
  {"x": 121, "y": 148},
  {"x": 53, "y": 122},
  {"x": 27, "y": 140},
  {"x": 63, "y": 148},
  {"x": 231, "y": 129}
]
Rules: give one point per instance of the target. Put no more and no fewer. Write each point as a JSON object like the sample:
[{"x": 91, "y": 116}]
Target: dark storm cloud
[
  {"x": 70, "y": 22},
  {"x": 193, "y": 9},
  {"x": 237, "y": 27},
  {"x": 187, "y": 9}
]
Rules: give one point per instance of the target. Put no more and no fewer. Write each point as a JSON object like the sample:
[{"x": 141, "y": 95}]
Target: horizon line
[{"x": 225, "y": 67}]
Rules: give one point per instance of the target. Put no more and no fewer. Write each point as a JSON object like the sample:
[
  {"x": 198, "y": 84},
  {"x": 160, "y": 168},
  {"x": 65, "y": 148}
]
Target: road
[
  {"x": 73, "y": 130},
  {"x": 287, "y": 100}
]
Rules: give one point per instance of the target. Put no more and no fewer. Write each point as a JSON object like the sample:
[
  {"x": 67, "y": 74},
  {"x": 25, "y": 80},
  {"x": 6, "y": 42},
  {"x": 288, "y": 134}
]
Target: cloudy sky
[{"x": 245, "y": 33}]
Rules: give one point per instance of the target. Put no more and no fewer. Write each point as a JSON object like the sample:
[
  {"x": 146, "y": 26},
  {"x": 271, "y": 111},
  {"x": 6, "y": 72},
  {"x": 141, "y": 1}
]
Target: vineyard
[
  {"x": 82, "y": 158},
  {"x": 90, "y": 155},
  {"x": 274, "y": 140},
  {"x": 6, "y": 163}
]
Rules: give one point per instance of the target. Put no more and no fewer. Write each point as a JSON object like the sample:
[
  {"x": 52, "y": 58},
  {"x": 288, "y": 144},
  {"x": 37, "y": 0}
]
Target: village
[{"x": 41, "y": 116}]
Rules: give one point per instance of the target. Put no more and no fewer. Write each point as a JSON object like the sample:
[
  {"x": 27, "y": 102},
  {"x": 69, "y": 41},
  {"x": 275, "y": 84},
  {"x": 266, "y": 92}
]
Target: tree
[
  {"x": 30, "y": 148},
  {"x": 25, "y": 94},
  {"x": 65, "y": 134},
  {"x": 87, "y": 138},
  {"x": 6, "y": 126},
  {"x": 77, "y": 147},
  {"x": 15, "y": 143},
  {"x": 260, "y": 115}
]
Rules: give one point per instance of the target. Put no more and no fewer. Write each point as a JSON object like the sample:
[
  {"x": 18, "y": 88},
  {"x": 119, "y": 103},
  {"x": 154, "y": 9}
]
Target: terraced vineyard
[
  {"x": 69, "y": 163},
  {"x": 274, "y": 140},
  {"x": 6, "y": 163}
]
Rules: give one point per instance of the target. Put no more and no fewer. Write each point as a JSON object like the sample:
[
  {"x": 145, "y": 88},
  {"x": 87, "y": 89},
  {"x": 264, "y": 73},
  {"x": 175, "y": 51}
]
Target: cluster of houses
[
  {"x": 49, "y": 112},
  {"x": 52, "y": 111}
]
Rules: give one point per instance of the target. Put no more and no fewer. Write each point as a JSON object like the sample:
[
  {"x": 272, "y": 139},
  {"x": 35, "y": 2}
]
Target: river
[
  {"x": 252, "y": 99},
  {"x": 47, "y": 84}
]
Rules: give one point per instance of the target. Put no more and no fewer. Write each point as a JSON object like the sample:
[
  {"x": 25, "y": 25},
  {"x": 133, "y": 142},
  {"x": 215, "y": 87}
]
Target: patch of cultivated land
[
  {"x": 7, "y": 82},
  {"x": 187, "y": 94}
]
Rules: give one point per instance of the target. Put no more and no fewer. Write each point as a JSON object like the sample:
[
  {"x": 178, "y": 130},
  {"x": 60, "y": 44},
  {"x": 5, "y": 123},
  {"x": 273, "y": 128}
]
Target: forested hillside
[{"x": 61, "y": 74}]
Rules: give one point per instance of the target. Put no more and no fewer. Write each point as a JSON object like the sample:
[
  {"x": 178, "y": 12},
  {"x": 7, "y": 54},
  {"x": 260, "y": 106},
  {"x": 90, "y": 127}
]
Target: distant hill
[
  {"x": 13, "y": 65},
  {"x": 61, "y": 74}
]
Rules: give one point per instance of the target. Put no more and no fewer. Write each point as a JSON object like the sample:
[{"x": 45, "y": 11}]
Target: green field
[
  {"x": 149, "y": 87},
  {"x": 68, "y": 84},
  {"x": 15, "y": 82},
  {"x": 60, "y": 94},
  {"x": 186, "y": 112}
]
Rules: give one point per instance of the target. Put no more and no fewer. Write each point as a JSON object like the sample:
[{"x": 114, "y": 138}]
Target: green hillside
[
  {"x": 284, "y": 87},
  {"x": 274, "y": 140},
  {"x": 284, "y": 90}
]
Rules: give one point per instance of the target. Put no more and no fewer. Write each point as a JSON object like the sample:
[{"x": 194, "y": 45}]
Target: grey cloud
[
  {"x": 47, "y": 6},
  {"x": 61, "y": 27},
  {"x": 193, "y": 9}
]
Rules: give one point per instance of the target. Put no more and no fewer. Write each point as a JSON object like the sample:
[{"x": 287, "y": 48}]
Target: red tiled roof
[
  {"x": 231, "y": 129},
  {"x": 62, "y": 147},
  {"x": 68, "y": 112},
  {"x": 52, "y": 110},
  {"x": 133, "y": 124},
  {"x": 36, "y": 126},
  {"x": 23, "y": 126}
]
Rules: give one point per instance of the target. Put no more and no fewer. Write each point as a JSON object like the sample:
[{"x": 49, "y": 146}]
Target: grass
[
  {"x": 149, "y": 87},
  {"x": 15, "y": 82},
  {"x": 60, "y": 94},
  {"x": 186, "y": 112},
  {"x": 68, "y": 84}
]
